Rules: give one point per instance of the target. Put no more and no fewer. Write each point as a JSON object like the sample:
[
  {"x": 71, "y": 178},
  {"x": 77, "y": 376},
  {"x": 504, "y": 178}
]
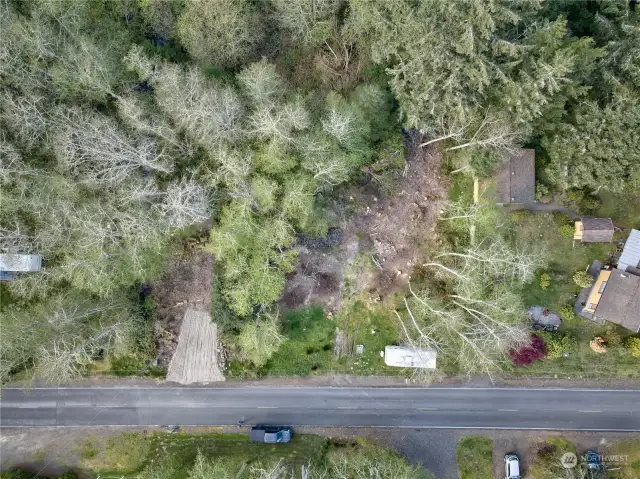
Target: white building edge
[{"x": 20, "y": 262}]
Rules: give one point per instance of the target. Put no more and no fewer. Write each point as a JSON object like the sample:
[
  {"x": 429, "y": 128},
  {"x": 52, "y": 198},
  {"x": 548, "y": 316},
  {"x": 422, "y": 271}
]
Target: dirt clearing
[
  {"x": 187, "y": 340},
  {"x": 195, "y": 360},
  {"x": 385, "y": 227},
  {"x": 186, "y": 285}
]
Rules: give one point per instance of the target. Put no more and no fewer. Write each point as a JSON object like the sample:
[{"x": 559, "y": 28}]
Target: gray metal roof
[
  {"x": 631, "y": 253},
  {"x": 20, "y": 262},
  {"x": 620, "y": 302},
  {"x": 516, "y": 178}
]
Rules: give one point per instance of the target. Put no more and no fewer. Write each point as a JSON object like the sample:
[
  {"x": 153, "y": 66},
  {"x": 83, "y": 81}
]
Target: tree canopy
[{"x": 127, "y": 125}]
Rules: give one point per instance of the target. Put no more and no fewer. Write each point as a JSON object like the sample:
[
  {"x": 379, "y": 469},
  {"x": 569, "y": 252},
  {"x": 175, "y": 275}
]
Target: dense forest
[{"x": 125, "y": 125}]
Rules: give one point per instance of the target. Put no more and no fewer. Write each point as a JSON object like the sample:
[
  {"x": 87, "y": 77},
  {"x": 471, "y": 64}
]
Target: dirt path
[
  {"x": 186, "y": 285},
  {"x": 195, "y": 360},
  {"x": 544, "y": 208}
]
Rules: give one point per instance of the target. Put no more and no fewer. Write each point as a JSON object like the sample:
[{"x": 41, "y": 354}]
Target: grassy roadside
[
  {"x": 311, "y": 339},
  {"x": 475, "y": 457},
  {"x": 627, "y": 453},
  {"x": 215, "y": 455}
]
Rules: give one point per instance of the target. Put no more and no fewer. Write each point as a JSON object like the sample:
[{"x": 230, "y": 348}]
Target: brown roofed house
[
  {"x": 516, "y": 178},
  {"x": 615, "y": 297},
  {"x": 594, "y": 230}
]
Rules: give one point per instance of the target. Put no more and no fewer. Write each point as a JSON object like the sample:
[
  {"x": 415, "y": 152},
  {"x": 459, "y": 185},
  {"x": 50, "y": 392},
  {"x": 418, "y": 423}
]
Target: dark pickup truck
[{"x": 270, "y": 434}]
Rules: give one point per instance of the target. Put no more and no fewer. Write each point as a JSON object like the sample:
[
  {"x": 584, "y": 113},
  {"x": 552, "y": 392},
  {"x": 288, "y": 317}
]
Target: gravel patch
[{"x": 432, "y": 449}]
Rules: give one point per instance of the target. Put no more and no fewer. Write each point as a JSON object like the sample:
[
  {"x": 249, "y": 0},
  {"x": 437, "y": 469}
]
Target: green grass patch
[
  {"x": 177, "y": 452},
  {"x": 629, "y": 465},
  {"x": 546, "y": 463},
  {"x": 622, "y": 208},
  {"x": 543, "y": 231},
  {"x": 461, "y": 189},
  {"x": 475, "y": 458},
  {"x": 125, "y": 453},
  {"x": 372, "y": 328},
  {"x": 584, "y": 363},
  {"x": 309, "y": 347}
]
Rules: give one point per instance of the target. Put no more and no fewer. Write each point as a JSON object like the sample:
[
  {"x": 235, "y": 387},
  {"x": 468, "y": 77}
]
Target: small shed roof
[
  {"x": 620, "y": 301},
  {"x": 406, "y": 357},
  {"x": 516, "y": 178},
  {"x": 597, "y": 230},
  {"x": 20, "y": 262},
  {"x": 630, "y": 256}
]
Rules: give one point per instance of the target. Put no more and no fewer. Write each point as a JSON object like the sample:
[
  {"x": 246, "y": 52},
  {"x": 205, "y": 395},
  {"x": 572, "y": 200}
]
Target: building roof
[
  {"x": 597, "y": 224},
  {"x": 406, "y": 357},
  {"x": 594, "y": 230},
  {"x": 597, "y": 230},
  {"x": 620, "y": 301},
  {"x": 630, "y": 256},
  {"x": 20, "y": 262},
  {"x": 516, "y": 178}
]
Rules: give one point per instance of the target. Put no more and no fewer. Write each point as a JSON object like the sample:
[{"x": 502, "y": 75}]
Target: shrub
[
  {"x": 259, "y": 339},
  {"x": 545, "y": 281},
  {"x": 582, "y": 279},
  {"x": 484, "y": 161},
  {"x": 566, "y": 313},
  {"x": 566, "y": 230},
  {"x": 612, "y": 336},
  {"x": 557, "y": 344},
  {"x": 633, "y": 345},
  {"x": 541, "y": 190},
  {"x": 528, "y": 354}
]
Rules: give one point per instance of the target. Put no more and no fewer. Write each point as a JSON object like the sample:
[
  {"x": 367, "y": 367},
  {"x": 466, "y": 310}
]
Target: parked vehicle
[
  {"x": 593, "y": 460},
  {"x": 544, "y": 319},
  {"x": 511, "y": 467},
  {"x": 270, "y": 434}
]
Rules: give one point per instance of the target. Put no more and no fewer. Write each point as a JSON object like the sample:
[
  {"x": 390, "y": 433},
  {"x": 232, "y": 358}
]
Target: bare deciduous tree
[
  {"x": 209, "y": 114},
  {"x": 261, "y": 83},
  {"x": 135, "y": 115},
  {"x": 308, "y": 20},
  {"x": 11, "y": 163},
  {"x": 279, "y": 122},
  {"x": 25, "y": 116},
  {"x": 95, "y": 148},
  {"x": 184, "y": 204},
  {"x": 491, "y": 258},
  {"x": 477, "y": 333},
  {"x": 342, "y": 125},
  {"x": 494, "y": 131},
  {"x": 14, "y": 241}
]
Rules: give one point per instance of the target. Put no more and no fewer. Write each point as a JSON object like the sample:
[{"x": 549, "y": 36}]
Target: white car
[{"x": 511, "y": 467}]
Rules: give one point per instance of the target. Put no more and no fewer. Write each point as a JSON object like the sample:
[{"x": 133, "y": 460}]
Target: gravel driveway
[{"x": 433, "y": 449}]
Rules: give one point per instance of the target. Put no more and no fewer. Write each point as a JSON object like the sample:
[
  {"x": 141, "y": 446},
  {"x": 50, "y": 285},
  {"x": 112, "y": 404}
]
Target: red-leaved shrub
[{"x": 528, "y": 354}]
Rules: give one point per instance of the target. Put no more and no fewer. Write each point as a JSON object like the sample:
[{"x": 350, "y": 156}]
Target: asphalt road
[{"x": 493, "y": 408}]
